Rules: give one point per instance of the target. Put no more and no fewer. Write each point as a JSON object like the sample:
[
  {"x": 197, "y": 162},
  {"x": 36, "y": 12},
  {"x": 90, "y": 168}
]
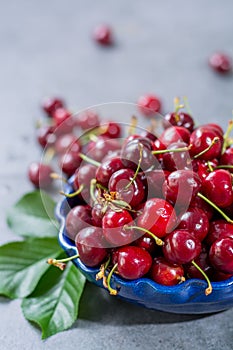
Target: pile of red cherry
[{"x": 145, "y": 205}]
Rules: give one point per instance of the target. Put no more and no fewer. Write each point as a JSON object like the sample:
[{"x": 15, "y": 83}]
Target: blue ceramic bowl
[{"x": 186, "y": 298}]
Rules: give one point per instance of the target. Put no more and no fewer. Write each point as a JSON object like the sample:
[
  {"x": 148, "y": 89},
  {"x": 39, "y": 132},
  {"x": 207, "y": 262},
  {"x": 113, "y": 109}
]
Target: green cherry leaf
[
  {"x": 55, "y": 302},
  {"x": 22, "y": 264},
  {"x": 33, "y": 216}
]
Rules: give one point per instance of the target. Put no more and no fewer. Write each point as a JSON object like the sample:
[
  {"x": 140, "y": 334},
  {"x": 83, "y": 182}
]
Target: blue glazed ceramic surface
[{"x": 186, "y": 298}]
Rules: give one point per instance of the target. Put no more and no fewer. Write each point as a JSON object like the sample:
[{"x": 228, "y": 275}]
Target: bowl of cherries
[{"x": 147, "y": 213}]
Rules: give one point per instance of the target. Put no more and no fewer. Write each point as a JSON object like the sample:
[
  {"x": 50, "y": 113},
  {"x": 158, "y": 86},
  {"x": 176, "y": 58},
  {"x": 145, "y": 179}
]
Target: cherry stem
[
  {"x": 209, "y": 288},
  {"x": 92, "y": 189},
  {"x": 214, "y": 141},
  {"x": 227, "y": 166},
  {"x": 133, "y": 124},
  {"x": 89, "y": 160},
  {"x": 61, "y": 263},
  {"x": 138, "y": 167},
  {"x": 210, "y": 166},
  {"x": 175, "y": 150},
  {"x": 226, "y": 136},
  {"x": 101, "y": 273},
  {"x": 49, "y": 154},
  {"x": 215, "y": 207},
  {"x": 177, "y": 106},
  {"x": 158, "y": 241},
  {"x": 56, "y": 176},
  {"x": 111, "y": 290},
  {"x": 73, "y": 194},
  {"x": 187, "y": 105}
]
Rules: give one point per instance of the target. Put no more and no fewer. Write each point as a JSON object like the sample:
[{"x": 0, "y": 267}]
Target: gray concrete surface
[{"x": 161, "y": 46}]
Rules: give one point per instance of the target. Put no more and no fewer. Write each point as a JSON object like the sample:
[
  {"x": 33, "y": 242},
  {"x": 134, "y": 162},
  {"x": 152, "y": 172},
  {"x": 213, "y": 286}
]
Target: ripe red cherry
[
  {"x": 128, "y": 190},
  {"x": 198, "y": 202},
  {"x": 107, "y": 168},
  {"x": 133, "y": 262},
  {"x": 77, "y": 218},
  {"x": 130, "y": 154},
  {"x": 87, "y": 120},
  {"x": 219, "y": 229},
  {"x": 174, "y": 134},
  {"x": 158, "y": 216},
  {"x": 227, "y": 158},
  {"x": 181, "y": 187},
  {"x": 97, "y": 150},
  {"x": 218, "y": 188},
  {"x": 179, "y": 119},
  {"x": 180, "y": 247},
  {"x": 113, "y": 228},
  {"x": 221, "y": 255},
  {"x": 202, "y": 167},
  {"x": 146, "y": 242},
  {"x": 220, "y": 62},
  {"x": 39, "y": 174},
  {"x": 49, "y": 105},
  {"x": 155, "y": 179},
  {"x": 111, "y": 130},
  {"x": 82, "y": 177},
  {"x": 67, "y": 143},
  {"x": 69, "y": 162},
  {"x": 200, "y": 139},
  {"x": 91, "y": 246},
  {"x": 45, "y": 135},
  {"x": 166, "y": 273},
  {"x": 103, "y": 35},
  {"x": 149, "y": 105},
  {"x": 176, "y": 160},
  {"x": 195, "y": 221},
  {"x": 203, "y": 262}
]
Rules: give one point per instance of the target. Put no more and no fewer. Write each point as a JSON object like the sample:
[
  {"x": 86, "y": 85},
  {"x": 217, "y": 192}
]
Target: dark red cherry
[
  {"x": 97, "y": 214},
  {"x": 77, "y": 218},
  {"x": 97, "y": 150},
  {"x": 60, "y": 115},
  {"x": 214, "y": 127},
  {"x": 200, "y": 139},
  {"x": 82, "y": 177},
  {"x": 219, "y": 229},
  {"x": 158, "y": 216},
  {"x": 198, "y": 202},
  {"x": 128, "y": 189},
  {"x": 45, "y": 135},
  {"x": 146, "y": 242},
  {"x": 180, "y": 247},
  {"x": 49, "y": 105},
  {"x": 149, "y": 105},
  {"x": 220, "y": 62},
  {"x": 149, "y": 135},
  {"x": 103, "y": 35},
  {"x": 133, "y": 262},
  {"x": 107, "y": 168},
  {"x": 202, "y": 260},
  {"x": 69, "y": 162},
  {"x": 203, "y": 168},
  {"x": 195, "y": 221},
  {"x": 113, "y": 223},
  {"x": 217, "y": 186},
  {"x": 67, "y": 143},
  {"x": 87, "y": 120},
  {"x": 91, "y": 246},
  {"x": 130, "y": 154},
  {"x": 179, "y": 119},
  {"x": 39, "y": 174},
  {"x": 111, "y": 130},
  {"x": 227, "y": 159},
  {"x": 176, "y": 160},
  {"x": 219, "y": 276},
  {"x": 174, "y": 134},
  {"x": 155, "y": 179},
  {"x": 166, "y": 273},
  {"x": 181, "y": 187},
  {"x": 221, "y": 255}
]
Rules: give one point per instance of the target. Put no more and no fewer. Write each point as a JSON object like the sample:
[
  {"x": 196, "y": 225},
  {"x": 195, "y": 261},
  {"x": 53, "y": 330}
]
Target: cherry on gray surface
[{"x": 159, "y": 47}]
